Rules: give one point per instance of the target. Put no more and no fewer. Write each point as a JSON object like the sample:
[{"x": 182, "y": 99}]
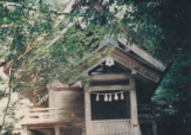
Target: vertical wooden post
[
  {"x": 51, "y": 101},
  {"x": 88, "y": 112},
  {"x": 25, "y": 130},
  {"x": 51, "y": 104},
  {"x": 57, "y": 130},
  {"x": 134, "y": 112},
  {"x": 154, "y": 128}
]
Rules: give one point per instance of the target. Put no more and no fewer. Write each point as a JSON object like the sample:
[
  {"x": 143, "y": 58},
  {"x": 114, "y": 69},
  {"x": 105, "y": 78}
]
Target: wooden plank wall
[{"x": 111, "y": 127}]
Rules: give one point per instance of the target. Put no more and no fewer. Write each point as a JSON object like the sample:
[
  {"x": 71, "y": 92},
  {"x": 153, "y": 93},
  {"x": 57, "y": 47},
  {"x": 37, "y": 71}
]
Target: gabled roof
[
  {"x": 134, "y": 50},
  {"x": 142, "y": 55},
  {"x": 130, "y": 57}
]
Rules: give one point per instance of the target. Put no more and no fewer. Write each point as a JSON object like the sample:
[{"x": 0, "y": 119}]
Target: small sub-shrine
[
  {"x": 118, "y": 96},
  {"x": 115, "y": 101}
]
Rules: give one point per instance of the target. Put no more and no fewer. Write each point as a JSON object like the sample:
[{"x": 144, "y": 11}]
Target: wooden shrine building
[{"x": 115, "y": 101}]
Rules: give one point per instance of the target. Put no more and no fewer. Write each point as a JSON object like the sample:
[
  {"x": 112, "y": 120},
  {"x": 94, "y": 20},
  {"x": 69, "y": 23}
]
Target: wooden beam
[
  {"x": 88, "y": 112},
  {"x": 110, "y": 77},
  {"x": 57, "y": 130},
  {"x": 155, "y": 128},
  {"x": 25, "y": 132},
  {"x": 134, "y": 112},
  {"x": 133, "y": 99},
  {"x": 144, "y": 55},
  {"x": 94, "y": 66},
  {"x": 40, "y": 126},
  {"x": 130, "y": 63},
  {"x": 110, "y": 87}
]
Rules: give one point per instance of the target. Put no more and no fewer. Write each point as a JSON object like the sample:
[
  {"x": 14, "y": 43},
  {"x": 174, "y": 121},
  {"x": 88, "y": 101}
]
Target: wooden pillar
[
  {"x": 134, "y": 112},
  {"x": 87, "y": 102},
  {"x": 25, "y": 130},
  {"x": 51, "y": 104},
  {"x": 57, "y": 130},
  {"x": 154, "y": 128}
]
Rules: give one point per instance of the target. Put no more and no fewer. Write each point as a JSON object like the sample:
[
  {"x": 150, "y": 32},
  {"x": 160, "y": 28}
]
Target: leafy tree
[
  {"x": 42, "y": 42},
  {"x": 21, "y": 22}
]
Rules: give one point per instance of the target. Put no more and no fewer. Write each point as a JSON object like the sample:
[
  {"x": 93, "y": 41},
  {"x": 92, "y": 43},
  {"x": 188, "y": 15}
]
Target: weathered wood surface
[
  {"x": 148, "y": 57},
  {"x": 132, "y": 64},
  {"x": 142, "y": 68},
  {"x": 71, "y": 104},
  {"x": 111, "y": 127},
  {"x": 143, "y": 54},
  {"x": 154, "y": 128},
  {"x": 110, "y": 77},
  {"x": 66, "y": 99},
  {"x": 134, "y": 113},
  {"x": 59, "y": 86},
  {"x": 88, "y": 122},
  {"x": 52, "y": 115},
  {"x": 57, "y": 130},
  {"x": 109, "y": 87}
]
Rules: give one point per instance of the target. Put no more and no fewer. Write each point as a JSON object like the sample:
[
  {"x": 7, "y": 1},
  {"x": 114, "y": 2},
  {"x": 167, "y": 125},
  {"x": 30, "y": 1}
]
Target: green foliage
[
  {"x": 2, "y": 94},
  {"x": 20, "y": 25},
  {"x": 158, "y": 27},
  {"x": 173, "y": 95},
  {"x": 161, "y": 29},
  {"x": 70, "y": 52}
]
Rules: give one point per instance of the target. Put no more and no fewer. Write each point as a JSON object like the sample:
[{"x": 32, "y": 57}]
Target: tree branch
[
  {"x": 9, "y": 98},
  {"x": 7, "y": 3},
  {"x": 27, "y": 7},
  {"x": 59, "y": 20}
]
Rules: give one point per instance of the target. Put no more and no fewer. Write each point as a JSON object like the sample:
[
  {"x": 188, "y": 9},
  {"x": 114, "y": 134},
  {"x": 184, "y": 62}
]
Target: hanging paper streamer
[
  {"x": 106, "y": 98},
  {"x": 110, "y": 97},
  {"x": 122, "y": 96},
  {"x": 116, "y": 97},
  {"x": 97, "y": 97}
]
